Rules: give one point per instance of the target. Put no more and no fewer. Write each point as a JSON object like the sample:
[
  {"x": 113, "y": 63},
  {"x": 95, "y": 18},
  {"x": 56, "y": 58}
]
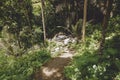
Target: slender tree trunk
[
  {"x": 108, "y": 9},
  {"x": 84, "y": 20},
  {"x": 43, "y": 19},
  {"x": 67, "y": 3}
]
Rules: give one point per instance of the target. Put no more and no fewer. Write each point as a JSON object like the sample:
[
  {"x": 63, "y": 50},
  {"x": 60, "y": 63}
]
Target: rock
[
  {"x": 60, "y": 36},
  {"x": 66, "y": 41},
  {"x": 74, "y": 40},
  {"x": 61, "y": 43},
  {"x": 57, "y": 49}
]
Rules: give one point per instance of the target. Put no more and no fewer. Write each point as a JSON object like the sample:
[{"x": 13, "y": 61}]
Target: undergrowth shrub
[
  {"x": 88, "y": 65},
  {"x": 21, "y": 68},
  {"x": 114, "y": 25}
]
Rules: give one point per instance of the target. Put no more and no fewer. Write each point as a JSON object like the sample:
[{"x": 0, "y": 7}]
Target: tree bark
[
  {"x": 84, "y": 20},
  {"x": 108, "y": 8},
  {"x": 43, "y": 20}
]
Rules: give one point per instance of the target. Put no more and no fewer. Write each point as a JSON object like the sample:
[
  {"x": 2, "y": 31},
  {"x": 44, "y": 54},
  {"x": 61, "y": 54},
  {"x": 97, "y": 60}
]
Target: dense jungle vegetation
[{"x": 28, "y": 29}]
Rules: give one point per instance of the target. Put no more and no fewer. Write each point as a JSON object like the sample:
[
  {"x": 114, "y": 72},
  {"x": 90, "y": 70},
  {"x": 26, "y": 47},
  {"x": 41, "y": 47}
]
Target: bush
[
  {"x": 21, "y": 68},
  {"x": 88, "y": 65},
  {"x": 114, "y": 25}
]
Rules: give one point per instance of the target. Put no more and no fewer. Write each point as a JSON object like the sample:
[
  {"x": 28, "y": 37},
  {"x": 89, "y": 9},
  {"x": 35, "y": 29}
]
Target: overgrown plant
[
  {"x": 23, "y": 67},
  {"x": 76, "y": 29},
  {"x": 88, "y": 65}
]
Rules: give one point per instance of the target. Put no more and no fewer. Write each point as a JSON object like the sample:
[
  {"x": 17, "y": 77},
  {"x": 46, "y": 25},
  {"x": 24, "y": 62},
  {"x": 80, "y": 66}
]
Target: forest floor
[{"x": 54, "y": 68}]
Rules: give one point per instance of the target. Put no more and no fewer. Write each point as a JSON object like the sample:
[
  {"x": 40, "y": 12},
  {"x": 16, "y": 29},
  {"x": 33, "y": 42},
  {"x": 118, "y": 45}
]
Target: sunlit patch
[{"x": 48, "y": 72}]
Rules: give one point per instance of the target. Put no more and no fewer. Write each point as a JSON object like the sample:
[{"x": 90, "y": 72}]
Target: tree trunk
[
  {"x": 84, "y": 20},
  {"x": 43, "y": 19},
  {"x": 67, "y": 5},
  {"x": 108, "y": 8}
]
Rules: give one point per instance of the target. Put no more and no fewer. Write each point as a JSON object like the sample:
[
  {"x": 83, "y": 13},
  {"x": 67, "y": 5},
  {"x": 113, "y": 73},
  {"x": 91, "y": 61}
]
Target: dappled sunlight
[
  {"x": 48, "y": 72},
  {"x": 59, "y": 39},
  {"x": 54, "y": 69}
]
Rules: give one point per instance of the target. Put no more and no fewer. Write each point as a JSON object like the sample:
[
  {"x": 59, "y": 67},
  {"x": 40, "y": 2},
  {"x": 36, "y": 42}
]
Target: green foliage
[
  {"x": 114, "y": 25},
  {"x": 88, "y": 65},
  {"x": 76, "y": 29},
  {"x": 93, "y": 30},
  {"x": 19, "y": 21},
  {"x": 21, "y": 29},
  {"x": 21, "y": 68},
  {"x": 91, "y": 44},
  {"x": 117, "y": 77}
]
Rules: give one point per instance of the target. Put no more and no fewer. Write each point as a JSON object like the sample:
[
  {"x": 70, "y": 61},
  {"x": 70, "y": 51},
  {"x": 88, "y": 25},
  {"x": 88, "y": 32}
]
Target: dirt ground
[{"x": 54, "y": 69}]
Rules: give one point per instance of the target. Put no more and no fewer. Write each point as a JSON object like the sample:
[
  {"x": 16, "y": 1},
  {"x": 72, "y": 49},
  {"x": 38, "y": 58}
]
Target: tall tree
[
  {"x": 43, "y": 19},
  {"x": 84, "y": 20},
  {"x": 108, "y": 8}
]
